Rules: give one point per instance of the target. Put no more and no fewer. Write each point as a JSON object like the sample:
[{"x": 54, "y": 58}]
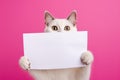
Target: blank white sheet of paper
[{"x": 55, "y": 50}]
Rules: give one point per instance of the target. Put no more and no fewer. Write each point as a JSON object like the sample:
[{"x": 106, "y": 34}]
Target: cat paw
[
  {"x": 87, "y": 58},
  {"x": 24, "y": 63}
]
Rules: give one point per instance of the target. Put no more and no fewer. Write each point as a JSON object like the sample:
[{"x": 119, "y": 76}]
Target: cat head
[{"x": 60, "y": 25}]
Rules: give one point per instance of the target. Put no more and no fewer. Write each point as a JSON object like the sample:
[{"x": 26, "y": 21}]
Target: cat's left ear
[{"x": 72, "y": 17}]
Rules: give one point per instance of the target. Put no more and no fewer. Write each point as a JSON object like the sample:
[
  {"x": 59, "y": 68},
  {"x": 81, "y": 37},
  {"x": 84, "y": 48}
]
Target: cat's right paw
[{"x": 24, "y": 63}]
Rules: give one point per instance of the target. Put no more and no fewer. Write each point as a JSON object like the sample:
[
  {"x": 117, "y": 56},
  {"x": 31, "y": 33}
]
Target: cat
[{"x": 61, "y": 25}]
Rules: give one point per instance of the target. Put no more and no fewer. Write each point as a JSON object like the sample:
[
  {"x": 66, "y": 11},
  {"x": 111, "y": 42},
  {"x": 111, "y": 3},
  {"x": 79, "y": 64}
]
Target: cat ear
[
  {"x": 72, "y": 17},
  {"x": 48, "y": 18}
]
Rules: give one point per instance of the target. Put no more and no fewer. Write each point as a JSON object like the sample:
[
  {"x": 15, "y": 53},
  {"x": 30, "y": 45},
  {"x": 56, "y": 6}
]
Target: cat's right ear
[{"x": 48, "y": 18}]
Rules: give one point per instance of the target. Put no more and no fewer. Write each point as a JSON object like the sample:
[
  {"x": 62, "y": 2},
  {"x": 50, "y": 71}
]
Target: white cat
[{"x": 60, "y": 25}]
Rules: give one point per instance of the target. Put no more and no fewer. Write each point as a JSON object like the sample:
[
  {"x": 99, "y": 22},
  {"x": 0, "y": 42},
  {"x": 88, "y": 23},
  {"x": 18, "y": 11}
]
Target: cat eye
[
  {"x": 55, "y": 28},
  {"x": 67, "y": 28}
]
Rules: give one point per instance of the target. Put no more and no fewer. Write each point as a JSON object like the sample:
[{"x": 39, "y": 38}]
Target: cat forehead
[{"x": 60, "y": 22}]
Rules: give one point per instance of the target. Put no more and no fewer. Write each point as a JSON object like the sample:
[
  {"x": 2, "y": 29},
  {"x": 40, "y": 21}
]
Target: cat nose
[{"x": 59, "y": 30}]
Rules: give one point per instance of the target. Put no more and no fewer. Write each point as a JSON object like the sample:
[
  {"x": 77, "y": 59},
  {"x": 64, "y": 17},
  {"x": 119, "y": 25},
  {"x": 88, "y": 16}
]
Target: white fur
[{"x": 82, "y": 73}]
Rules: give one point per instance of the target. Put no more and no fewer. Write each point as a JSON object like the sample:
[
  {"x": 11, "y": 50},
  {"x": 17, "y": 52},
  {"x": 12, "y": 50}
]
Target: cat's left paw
[{"x": 87, "y": 58}]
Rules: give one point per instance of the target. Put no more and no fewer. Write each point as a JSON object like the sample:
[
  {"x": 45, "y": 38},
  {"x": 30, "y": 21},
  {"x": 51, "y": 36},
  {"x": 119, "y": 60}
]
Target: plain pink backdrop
[{"x": 101, "y": 18}]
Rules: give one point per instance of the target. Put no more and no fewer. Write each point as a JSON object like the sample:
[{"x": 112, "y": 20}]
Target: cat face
[{"x": 60, "y": 25}]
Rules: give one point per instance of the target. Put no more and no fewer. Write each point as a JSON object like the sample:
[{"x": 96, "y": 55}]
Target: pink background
[{"x": 101, "y": 18}]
